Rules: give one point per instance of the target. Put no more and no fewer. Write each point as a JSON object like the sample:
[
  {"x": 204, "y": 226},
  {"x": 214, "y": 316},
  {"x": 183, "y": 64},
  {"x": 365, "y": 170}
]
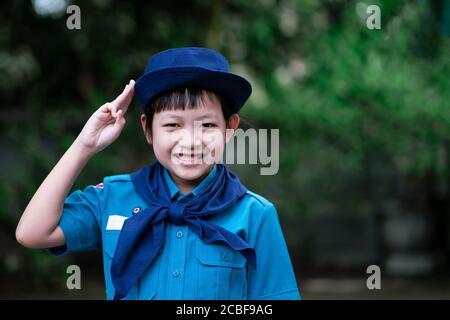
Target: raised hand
[{"x": 106, "y": 124}]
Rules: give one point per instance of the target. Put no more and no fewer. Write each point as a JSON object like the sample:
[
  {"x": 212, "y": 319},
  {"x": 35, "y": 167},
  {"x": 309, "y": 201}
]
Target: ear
[
  {"x": 148, "y": 135},
  {"x": 232, "y": 124}
]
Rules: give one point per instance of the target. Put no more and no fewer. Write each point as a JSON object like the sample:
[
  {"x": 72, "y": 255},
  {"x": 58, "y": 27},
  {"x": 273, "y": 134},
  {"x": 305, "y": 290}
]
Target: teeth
[
  {"x": 190, "y": 159},
  {"x": 189, "y": 156},
  {"x": 187, "y": 159}
]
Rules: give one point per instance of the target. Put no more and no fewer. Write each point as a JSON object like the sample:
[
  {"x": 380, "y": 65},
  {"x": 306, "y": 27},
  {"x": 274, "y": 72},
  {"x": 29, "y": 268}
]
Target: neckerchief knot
[{"x": 176, "y": 213}]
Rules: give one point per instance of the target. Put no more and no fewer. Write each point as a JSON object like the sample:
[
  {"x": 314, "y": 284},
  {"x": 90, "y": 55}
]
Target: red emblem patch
[{"x": 100, "y": 185}]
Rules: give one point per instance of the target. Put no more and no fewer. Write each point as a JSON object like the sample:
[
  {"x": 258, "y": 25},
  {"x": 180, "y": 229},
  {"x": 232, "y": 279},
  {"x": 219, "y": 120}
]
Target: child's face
[{"x": 188, "y": 142}]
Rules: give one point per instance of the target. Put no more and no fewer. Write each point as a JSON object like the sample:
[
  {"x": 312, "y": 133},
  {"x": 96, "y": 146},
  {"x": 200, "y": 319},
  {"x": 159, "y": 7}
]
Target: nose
[{"x": 191, "y": 140}]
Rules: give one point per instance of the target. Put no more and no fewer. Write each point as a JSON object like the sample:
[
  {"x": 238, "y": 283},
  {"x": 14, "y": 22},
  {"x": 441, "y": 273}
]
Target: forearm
[
  {"x": 38, "y": 226},
  {"x": 41, "y": 217}
]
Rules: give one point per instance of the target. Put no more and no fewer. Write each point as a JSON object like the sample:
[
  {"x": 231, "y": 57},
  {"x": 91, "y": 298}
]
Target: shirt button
[
  {"x": 226, "y": 257},
  {"x": 179, "y": 234},
  {"x": 176, "y": 274}
]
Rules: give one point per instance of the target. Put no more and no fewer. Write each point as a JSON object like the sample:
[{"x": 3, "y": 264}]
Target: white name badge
[{"x": 115, "y": 222}]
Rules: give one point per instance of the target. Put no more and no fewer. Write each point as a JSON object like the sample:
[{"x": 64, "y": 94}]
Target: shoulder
[
  {"x": 117, "y": 179},
  {"x": 257, "y": 205},
  {"x": 260, "y": 214},
  {"x": 117, "y": 183},
  {"x": 112, "y": 183},
  {"x": 258, "y": 199},
  {"x": 111, "y": 180},
  {"x": 114, "y": 189}
]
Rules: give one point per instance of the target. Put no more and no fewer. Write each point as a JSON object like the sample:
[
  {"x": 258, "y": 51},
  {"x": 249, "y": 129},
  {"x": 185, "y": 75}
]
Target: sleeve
[
  {"x": 274, "y": 277},
  {"x": 80, "y": 221}
]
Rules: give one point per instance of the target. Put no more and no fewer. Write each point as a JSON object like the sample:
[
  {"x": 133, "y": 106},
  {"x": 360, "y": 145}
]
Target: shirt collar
[{"x": 174, "y": 190}]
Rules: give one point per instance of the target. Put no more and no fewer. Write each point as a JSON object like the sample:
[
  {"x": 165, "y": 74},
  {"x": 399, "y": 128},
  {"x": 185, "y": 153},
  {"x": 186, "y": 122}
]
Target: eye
[
  {"x": 209, "y": 125},
  {"x": 173, "y": 125}
]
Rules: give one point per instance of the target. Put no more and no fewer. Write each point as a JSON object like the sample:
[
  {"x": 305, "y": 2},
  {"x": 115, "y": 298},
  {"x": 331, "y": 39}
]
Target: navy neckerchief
[{"x": 142, "y": 236}]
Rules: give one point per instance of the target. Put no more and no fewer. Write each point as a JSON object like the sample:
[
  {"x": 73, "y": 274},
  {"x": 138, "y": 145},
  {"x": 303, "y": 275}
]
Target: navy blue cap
[{"x": 199, "y": 67}]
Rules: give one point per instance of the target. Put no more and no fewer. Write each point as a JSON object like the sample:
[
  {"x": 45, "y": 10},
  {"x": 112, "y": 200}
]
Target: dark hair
[{"x": 180, "y": 98}]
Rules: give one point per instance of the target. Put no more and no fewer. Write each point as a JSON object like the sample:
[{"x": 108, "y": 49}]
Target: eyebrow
[{"x": 207, "y": 115}]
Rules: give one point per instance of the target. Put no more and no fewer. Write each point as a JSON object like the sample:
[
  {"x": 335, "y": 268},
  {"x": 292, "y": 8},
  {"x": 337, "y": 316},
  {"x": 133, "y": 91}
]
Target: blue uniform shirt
[{"x": 186, "y": 268}]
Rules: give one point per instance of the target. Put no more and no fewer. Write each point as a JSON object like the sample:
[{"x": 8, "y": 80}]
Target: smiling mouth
[{"x": 189, "y": 158}]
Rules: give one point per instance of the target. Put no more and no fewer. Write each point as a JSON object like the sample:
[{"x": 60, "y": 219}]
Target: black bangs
[{"x": 182, "y": 98}]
